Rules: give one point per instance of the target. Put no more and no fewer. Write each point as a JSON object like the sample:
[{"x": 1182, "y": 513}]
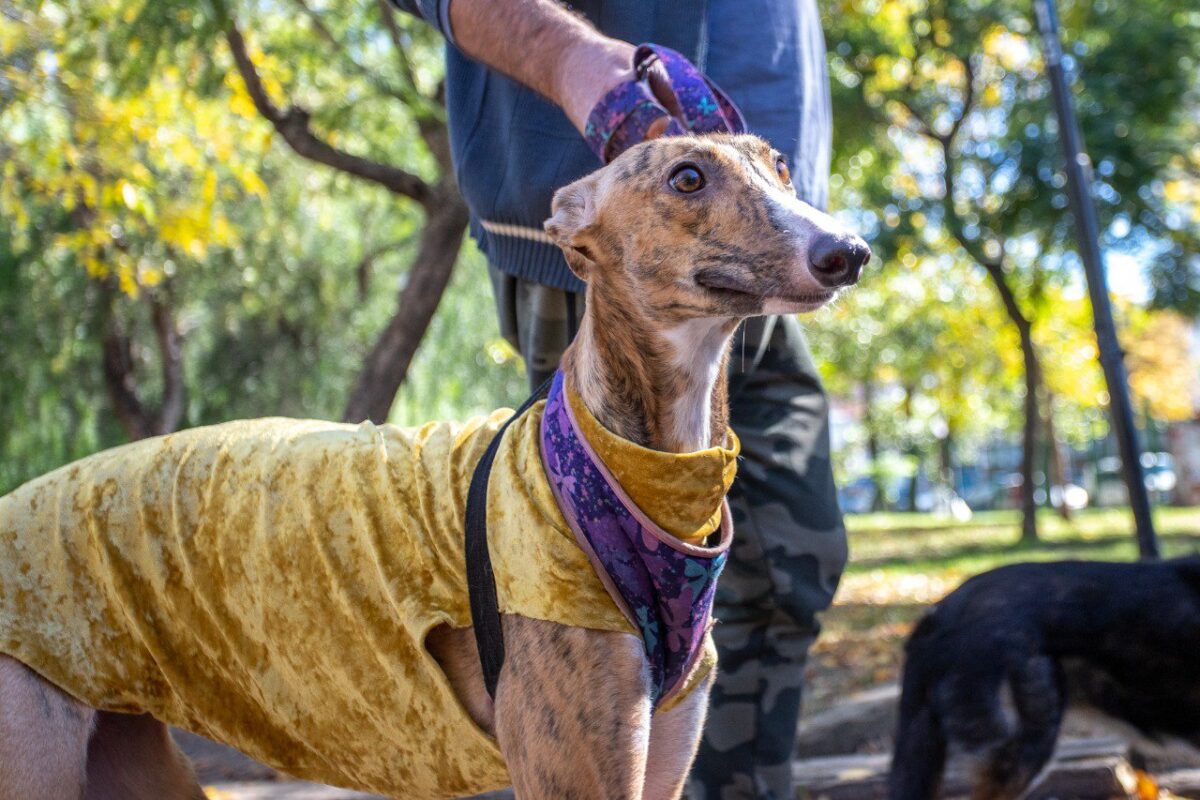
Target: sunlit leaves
[
  {"x": 1162, "y": 370},
  {"x": 138, "y": 172}
]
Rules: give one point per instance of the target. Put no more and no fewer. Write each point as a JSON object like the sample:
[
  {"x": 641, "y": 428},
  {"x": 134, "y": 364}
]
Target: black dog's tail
[{"x": 920, "y": 752}]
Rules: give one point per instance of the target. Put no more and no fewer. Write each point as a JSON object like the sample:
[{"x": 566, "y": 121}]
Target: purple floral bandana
[{"x": 664, "y": 586}]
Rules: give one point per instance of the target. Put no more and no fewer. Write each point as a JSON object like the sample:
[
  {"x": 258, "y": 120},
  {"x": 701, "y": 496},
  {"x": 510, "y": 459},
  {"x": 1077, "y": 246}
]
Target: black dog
[{"x": 991, "y": 669}]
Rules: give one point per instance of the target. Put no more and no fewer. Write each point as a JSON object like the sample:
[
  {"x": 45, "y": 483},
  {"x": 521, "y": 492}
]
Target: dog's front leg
[
  {"x": 573, "y": 712},
  {"x": 674, "y": 739}
]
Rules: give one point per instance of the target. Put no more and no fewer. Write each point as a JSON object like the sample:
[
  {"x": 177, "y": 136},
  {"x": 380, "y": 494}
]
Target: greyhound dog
[
  {"x": 677, "y": 240},
  {"x": 991, "y": 669}
]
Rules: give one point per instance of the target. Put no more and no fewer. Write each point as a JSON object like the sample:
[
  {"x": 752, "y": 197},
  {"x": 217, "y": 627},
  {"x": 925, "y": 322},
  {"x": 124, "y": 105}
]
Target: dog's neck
[{"x": 662, "y": 387}]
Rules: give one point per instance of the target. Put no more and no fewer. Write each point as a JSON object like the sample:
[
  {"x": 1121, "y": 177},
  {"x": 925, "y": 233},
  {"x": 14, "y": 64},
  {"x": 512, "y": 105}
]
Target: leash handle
[
  {"x": 481, "y": 580},
  {"x": 667, "y": 86}
]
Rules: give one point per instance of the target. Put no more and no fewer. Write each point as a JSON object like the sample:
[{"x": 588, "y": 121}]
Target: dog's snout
[{"x": 837, "y": 259}]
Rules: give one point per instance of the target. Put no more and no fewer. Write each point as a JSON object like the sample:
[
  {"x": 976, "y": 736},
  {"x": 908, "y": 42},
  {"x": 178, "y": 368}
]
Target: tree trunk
[
  {"x": 1058, "y": 462},
  {"x": 914, "y": 452},
  {"x": 1029, "y": 442},
  {"x": 387, "y": 364},
  {"x": 120, "y": 377},
  {"x": 946, "y": 459},
  {"x": 1033, "y": 373},
  {"x": 879, "y": 501}
]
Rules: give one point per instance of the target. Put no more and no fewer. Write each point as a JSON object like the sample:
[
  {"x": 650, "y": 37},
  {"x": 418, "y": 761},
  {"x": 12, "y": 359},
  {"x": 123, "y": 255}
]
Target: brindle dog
[
  {"x": 678, "y": 240},
  {"x": 991, "y": 669}
]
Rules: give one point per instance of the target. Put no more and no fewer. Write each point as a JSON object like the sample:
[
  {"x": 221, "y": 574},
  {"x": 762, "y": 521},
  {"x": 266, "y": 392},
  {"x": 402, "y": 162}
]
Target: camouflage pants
[{"x": 789, "y": 546}]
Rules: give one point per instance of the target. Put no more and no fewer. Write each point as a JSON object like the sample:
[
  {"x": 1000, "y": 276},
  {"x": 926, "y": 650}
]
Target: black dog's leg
[
  {"x": 919, "y": 757},
  {"x": 1039, "y": 699},
  {"x": 920, "y": 752}
]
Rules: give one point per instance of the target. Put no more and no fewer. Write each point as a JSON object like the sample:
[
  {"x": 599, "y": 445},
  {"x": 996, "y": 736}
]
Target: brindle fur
[{"x": 669, "y": 277}]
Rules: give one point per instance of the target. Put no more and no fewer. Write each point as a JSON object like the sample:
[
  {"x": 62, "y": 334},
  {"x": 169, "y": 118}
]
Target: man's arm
[
  {"x": 538, "y": 43},
  {"x": 544, "y": 46}
]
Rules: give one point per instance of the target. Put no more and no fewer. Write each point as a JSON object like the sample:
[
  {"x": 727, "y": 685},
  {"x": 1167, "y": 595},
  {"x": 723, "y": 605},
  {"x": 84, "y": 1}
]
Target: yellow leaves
[
  {"x": 1067, "y": 346},
  {"x": 151, "y": 170},
  {"x": 130, "y": 12},
  {"x": 185, "y": 233},
  {"x": 239, "y": 100},
  {"x": 1184, "y": 192},
  {"x": 222, "y": 233},
  {"x": 150, "y": 277},
  {"x": 12, "y": 35},
  {"x": 95, "y": 267},
  {"x": 1162, "y": 372},
  {"x": 890, "y": 73},
  {"x": 127, "y": 281},
  {"x": 252, "y": 183},
  {"x": 1176, "y": 191},
  {"x": 209, "y": 193},
  {"x": 941, "y": 33}
]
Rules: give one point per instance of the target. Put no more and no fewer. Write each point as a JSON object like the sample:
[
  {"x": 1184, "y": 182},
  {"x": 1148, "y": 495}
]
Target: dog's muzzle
[{"x": 838, "y": 259}]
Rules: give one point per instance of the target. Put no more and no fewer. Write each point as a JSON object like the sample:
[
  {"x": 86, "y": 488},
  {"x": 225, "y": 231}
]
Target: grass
[{"x": 900, "y": 563}]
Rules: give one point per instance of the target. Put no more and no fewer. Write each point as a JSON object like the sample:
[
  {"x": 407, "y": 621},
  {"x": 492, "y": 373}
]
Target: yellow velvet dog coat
[{"x": 271, "y": 583}]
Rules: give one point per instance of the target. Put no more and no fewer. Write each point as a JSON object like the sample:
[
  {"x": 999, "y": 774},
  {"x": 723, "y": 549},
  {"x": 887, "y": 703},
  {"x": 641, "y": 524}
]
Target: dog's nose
[{"x": 837, "y": 260}]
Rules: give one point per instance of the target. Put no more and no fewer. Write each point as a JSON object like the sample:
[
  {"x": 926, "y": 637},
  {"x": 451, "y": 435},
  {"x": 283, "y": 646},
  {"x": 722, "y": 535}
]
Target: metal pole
[{"x": 1087, "y": 229}]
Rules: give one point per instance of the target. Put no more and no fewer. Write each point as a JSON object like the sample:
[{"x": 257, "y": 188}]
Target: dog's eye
[
  {"x": 781, "y": 169},
  {"x": 687, "y": 179}
]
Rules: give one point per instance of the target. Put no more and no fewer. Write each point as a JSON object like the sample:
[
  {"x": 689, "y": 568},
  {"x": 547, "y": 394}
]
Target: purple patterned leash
[
  {"x": 664, "y": 586},
  {"x": 624, "y": 116}
]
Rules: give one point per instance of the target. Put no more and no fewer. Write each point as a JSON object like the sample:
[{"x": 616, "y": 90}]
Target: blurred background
[{"x": 198, "y": 224}]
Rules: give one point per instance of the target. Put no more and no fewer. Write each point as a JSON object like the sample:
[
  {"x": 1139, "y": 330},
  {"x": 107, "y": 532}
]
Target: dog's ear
[{"x": 572, "y": 224}]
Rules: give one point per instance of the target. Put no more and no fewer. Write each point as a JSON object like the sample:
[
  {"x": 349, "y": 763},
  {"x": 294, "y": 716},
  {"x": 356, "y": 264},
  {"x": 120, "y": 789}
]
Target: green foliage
[
  {"x": 913, "y": 66},
  {"x": 135, "y": 167},
  {"x": 947, "y": 156},
  {"x": 135, "y": 170}
]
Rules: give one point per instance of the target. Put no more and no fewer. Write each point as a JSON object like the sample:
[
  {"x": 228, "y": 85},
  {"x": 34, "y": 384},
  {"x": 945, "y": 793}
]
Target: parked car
[
  {"x": 1158, "y": 473},
  {"x": 857, "y": 496},
  {"x": 1072, "y": 495},
  {"x": 1160, "y": 476}
]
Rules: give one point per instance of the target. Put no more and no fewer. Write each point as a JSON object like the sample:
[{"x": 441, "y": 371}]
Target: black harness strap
[{"x": 481, "y": 581}]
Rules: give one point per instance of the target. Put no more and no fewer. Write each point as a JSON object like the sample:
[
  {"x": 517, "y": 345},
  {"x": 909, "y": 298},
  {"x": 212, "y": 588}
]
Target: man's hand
[
  {"x": 560, "y": 55},
  {"x": 545, "y": 47}
]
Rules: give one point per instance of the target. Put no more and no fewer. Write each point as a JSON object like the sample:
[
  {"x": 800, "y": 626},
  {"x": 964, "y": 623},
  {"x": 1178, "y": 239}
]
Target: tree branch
[
  {"x": 340, "y": 48},
  {"x": 923, "y": 126},
  {"x": 170, "y": 354},
  {"x": 366, "y": 266},
  {"x": 122, "y": 388},
  {"x": 968, "y": 99},
  {"x": 389, "y": 22},
  {"x": 436, "y": 137},
  {"x": 292, "y": 125},
  {"x": 120, "y": 372},
  {"x": 319, "y": 25},
  {"x": 386, "y": 366}
]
